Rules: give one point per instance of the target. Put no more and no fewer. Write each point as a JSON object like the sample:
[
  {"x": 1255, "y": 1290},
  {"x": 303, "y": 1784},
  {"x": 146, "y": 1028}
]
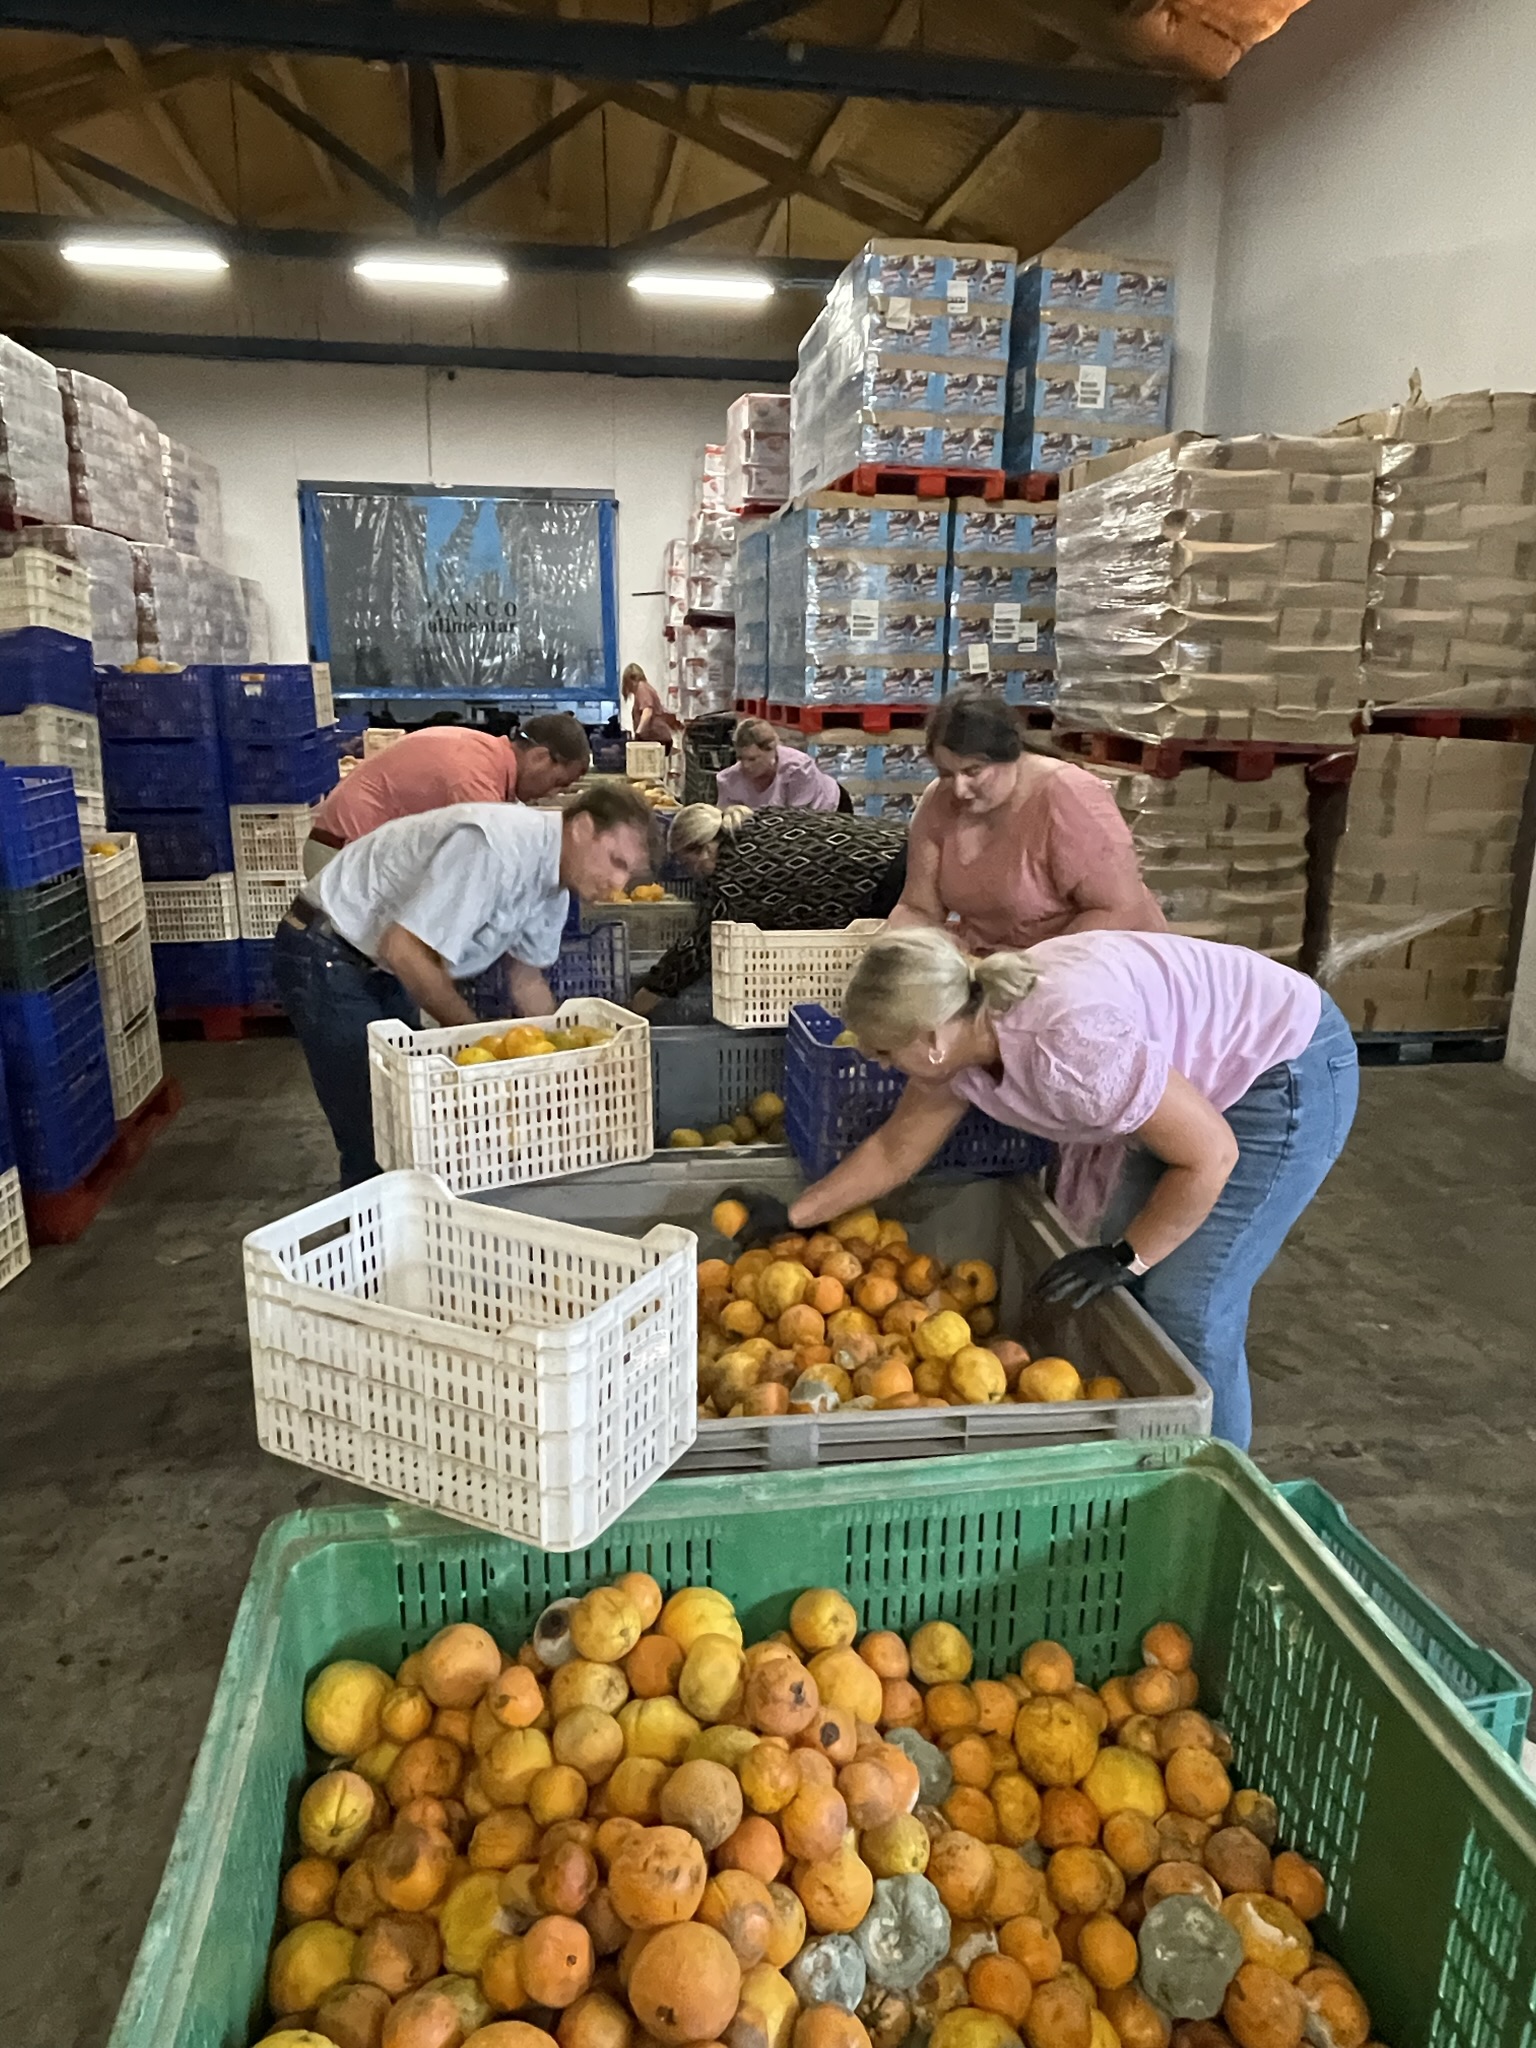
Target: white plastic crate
[
  {"x": 135, "y": 1063},
  {"x": 46, "y": 736},
  {"x": 15, "y": 1251},
  {"x": 208, "y": 909},
  {"x": 115, "y": 886},
  {"x": 645, "y": 760},
  {"x": 378, "y": 737},
  {"x": 269, "y": 838},
  {"x": 39, "y": 589},
  {"x": 502, "y": 1122},
  {"x": 92, "y": 809},
  {"x": 264, "y": 900},
  {"x": 759, "y": 976},
  {"x": 526, "y": 1376},
  {"x": 127, "y": 972}
]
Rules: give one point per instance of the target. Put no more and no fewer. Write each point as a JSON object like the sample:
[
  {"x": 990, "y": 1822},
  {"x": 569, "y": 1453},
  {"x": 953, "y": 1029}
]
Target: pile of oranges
[
  {"x": 639, "y": 1833},
  {"x": 852, "y": 1317}
]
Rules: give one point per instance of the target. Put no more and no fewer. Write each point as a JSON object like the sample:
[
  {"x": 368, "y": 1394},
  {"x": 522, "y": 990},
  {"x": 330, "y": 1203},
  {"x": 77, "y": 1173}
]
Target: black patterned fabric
[{"x": 790, "y": 871}]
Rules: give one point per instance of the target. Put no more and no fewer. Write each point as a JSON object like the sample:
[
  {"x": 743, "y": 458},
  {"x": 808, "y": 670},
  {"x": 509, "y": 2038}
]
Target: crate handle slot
[{"x": 342, "y": 1227}]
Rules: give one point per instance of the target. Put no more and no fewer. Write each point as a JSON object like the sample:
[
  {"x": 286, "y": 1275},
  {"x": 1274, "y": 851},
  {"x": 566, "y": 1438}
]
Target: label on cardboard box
[
  {"x": 1092, "y": 387},
  {"x": 864, "y": 618},
  {"x": 1006, "y": 620},
  {"x": 978, "y": 658},
  {"x": 898, "y": 313},
  {"x": 957, "y": 297}
]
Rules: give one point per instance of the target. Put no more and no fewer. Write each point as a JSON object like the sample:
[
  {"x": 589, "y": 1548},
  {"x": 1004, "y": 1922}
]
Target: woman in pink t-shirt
[
  {"x": 1199, "y": 1092},
  {"x": 771, "y": 777},
  {"x": 1015, "y": 843}
]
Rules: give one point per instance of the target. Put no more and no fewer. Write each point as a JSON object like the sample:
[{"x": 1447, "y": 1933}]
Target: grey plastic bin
[
  {"x": 703, "y": 1074},
  {"x": 1010, "y": 1223}
]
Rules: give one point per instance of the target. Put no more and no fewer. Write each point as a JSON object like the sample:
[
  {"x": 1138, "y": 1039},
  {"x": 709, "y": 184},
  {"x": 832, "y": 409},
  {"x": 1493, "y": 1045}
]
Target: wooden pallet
[
  {"x": 61, "y": 1218},
  {"x": 1427, "y": 1048},
  {"x": 1452, "y": 725},
  {"x": 1239, "y": 760},
  {"x": 224, "y": 1023}
]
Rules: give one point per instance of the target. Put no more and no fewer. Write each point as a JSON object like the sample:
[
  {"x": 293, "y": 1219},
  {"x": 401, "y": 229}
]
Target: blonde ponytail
[
  {"x": 916, "y": 980},
  {"x": 699, "y": 825}
]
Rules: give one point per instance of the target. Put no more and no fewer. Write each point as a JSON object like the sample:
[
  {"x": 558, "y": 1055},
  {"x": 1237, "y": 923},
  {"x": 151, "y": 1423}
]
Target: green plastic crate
[
  {"x": 45, "y": 933},
  {"x": 1491, "y": 1691},
  {"x": 1426, "y": 1831}
]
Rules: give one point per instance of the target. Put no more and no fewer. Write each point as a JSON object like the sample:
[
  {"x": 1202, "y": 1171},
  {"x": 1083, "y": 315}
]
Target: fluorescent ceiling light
[
  {"x": 463, "y": 273},
  {"x": 148, "y": 257},
  {"x": 697, "y": 284}
]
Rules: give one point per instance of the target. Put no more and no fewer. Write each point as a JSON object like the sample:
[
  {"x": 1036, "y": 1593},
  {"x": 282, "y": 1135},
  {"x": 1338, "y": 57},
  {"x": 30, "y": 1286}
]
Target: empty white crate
[
  {"x": 177, "y": 911},
  {"x": 15, "y": 1252},
  {"x": 269, "y": 838},
  {"x": 39, "y": 589},
  {"x": 501, "y": 1122},
  {"x": 92, "y": 809},
  {"x": 759, "y": 975},
  {"x": 135, "y": 1062},
  {"x": 126, "y": 970},
  {"x": 46, "y": 736},
  {"x": 263, "y": 901},
  {"x": 527, "y": 1376},
  {"x": 115, "y": 886},
  {"x": 645, "y": 760}
]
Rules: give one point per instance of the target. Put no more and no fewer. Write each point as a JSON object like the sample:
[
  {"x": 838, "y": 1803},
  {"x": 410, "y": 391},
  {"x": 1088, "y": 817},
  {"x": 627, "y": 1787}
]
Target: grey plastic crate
[
  {"x": 703, "y": 1074},
  {"x": 1010, "y": 1223}
]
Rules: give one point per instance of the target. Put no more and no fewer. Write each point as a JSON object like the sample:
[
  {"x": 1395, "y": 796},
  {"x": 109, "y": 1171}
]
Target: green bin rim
[{"x": 167, "y": 1953}]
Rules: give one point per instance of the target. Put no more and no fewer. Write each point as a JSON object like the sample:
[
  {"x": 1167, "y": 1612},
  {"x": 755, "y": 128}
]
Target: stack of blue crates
[
  {"x": 40, "y": 666},
  {"x": 52, "y": 1038},
  {"x": 178, "y": 750}
]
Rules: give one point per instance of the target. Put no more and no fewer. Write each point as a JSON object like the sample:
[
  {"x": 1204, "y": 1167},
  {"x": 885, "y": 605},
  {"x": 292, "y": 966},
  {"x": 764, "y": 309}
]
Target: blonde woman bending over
[{"x": 1200, "y": 1093}]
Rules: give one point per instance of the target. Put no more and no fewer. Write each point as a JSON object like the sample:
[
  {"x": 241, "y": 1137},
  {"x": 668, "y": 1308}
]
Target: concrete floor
[{"x": 1391, "y": 1349}]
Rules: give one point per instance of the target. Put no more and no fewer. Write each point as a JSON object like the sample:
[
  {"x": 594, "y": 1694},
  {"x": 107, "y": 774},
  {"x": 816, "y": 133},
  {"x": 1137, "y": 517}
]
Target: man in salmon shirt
[{"x": 449, "y": 764}]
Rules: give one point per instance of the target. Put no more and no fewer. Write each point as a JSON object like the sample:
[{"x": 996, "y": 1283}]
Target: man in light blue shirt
[{"x": 400, "y": 915}]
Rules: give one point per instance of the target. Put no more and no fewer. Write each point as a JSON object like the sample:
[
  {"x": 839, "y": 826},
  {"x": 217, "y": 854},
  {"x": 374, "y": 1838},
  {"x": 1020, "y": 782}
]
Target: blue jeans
[
  {"x": 333, "y": 993},
  {"x": 1290, "y": 1127}
]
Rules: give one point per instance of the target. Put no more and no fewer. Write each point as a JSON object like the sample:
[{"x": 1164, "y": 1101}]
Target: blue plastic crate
[
  {"x": 60, "y": 1086},
  {"x": 284, "y": 771},
  {"x": 263, "y": 701},
  {"x": 596, "y": 963},
  {"x": 135, "y": 706},
  {"x": 39, "y": 825},
  {"x": 199, "y": 974},
  {"x": 178, "y": 846},
  {"x": 40, "y": 666},
  {"x": 260, "y": 982},
  {"x": 350, "y": 735},
  {"x": 834, "y": 1098},
  {"x": 162, "y": 775}
]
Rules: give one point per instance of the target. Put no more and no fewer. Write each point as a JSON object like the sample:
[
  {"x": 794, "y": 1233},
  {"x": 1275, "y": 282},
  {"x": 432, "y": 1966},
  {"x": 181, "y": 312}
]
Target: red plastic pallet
[
  {"x": 879, "y": 479},
  {"x": 699, "y": 620},
  {"x": 61, "y": 1218},
  {"x": 866, "y": 717},
  {"x": 1240, "y": 760},
  {"x": 223, "y": 1023},
  {"x": 1452, "y": 725}
]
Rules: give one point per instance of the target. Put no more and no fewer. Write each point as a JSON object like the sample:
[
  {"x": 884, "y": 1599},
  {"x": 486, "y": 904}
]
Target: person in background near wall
[
  {"x": 449, "y": 764},
  {"x": 1017, "y": 843},
  {"x": 404, "y": 912},
  {"x": 1200, "y": 1094},
  {"x": 770, "y": 777},
  {"x": 788, "y": 871},
  {"x": 649, "y": 717}
]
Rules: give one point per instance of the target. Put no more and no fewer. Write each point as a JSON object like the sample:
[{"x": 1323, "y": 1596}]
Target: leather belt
[
  {"x": 325, "y": 838},
  {"x": 305, "y": 916}
]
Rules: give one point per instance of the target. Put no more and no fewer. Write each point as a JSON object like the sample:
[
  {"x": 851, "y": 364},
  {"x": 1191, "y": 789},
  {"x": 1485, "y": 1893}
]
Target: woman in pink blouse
[
  {"x": 1200, "y": 1093},
  {"x": 1016, "y": 844},
  {"x": 771, "y": 777}
]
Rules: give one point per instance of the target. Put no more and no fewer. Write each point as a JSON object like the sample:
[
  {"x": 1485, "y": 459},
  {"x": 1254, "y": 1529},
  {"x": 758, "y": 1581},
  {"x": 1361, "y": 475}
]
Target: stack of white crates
[
  {"x": 120, "y": 936},
  {"x": 39, "y": 591},
  {"x": 269, "y": 862}
]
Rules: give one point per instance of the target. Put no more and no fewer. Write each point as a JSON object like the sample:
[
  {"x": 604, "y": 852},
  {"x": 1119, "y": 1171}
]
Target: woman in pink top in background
[
  {"x": 1223, "y": 1084},
  {"x": 770, "y": 777},
  {"x": 1015, "y": 844}
]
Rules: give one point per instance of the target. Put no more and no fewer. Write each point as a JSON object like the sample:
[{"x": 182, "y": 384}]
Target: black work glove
[
  {"x": 767, "y": 1217},
  {"x": 1083, "y": 1276}
]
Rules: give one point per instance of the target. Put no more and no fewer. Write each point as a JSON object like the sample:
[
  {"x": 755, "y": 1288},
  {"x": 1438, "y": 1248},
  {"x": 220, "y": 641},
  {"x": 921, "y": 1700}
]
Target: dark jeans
[{"x": 333, "y": 993}]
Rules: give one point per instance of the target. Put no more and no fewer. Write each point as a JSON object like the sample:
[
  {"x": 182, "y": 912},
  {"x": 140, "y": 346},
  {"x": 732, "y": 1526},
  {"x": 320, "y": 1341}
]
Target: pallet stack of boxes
[
  {"x": 1000, "y": 631},
  {"x": 884, "y": 774},
  {"x": 757, "y": 452}
]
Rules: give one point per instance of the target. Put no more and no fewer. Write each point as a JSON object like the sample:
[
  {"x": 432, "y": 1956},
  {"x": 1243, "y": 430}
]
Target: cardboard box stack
[
  {"x": 906, "y": 364},
  {"x": 710, "y": 583},
  {"x": 1214, "y": 588},
  {"x": 194, "y": 516},
  {"x": 856, "y": 598},
  {"x": 1411, "y": 918},
  {"x": 1226, "y": 860},
  {"x": 114, "y": 467},
  {"x": 1090, "y": 358},
  {"x": 1001, "y": 627},
  {"x": 757, "y": 451},
  {"x": 1452, "y": 616},
  {"x": 706, "y": 670},
  {"x": 34, "y": 456},
  {"x": 884, "y": 775},
  {"x": 752, "y": 567}
]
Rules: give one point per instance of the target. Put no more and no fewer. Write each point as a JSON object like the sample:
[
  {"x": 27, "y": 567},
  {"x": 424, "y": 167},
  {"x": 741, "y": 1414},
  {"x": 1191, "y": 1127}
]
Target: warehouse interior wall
[{"x": 267, "y": 425}]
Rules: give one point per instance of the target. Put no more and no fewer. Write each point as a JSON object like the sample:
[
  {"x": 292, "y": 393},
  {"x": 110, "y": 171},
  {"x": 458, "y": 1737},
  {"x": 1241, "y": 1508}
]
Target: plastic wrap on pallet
[
  {"x": 906, "y": 364},
  {"x": 190, "y": 610},
  {"x": 34, "y": 456},
  {"x": 258, "y": 619},
  {"x": 1452, "y": 615},
  {"x": 1414, "y": 883},
  {"x": 752, "y": 608},
  {"x": 192, "y": 505},
  {"x": 1214, "y": 588},
  {"x": 757, "y": 450},
  {"x": 1090, "y": 357},
  {"x": 113, "y": 484},
  {"x": 108, "y": 562}
]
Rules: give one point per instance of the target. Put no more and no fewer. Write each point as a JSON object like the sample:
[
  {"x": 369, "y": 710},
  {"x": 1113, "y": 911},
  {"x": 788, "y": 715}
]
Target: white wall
[{"x": 266, "y": 425}]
